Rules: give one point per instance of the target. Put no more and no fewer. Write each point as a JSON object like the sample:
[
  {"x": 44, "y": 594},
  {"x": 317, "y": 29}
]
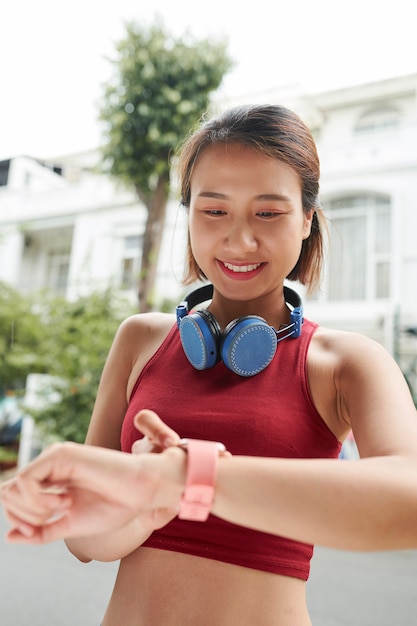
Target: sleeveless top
[{"x": 270, "y": 414}]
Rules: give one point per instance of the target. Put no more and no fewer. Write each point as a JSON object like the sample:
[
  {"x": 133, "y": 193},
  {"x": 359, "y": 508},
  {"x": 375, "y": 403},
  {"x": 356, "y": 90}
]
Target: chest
[{"x": 270, "y": 414}]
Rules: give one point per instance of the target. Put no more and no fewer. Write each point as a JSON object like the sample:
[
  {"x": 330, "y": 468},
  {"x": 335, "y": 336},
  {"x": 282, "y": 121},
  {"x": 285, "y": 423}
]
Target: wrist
[{"x": 161, "y": 477}]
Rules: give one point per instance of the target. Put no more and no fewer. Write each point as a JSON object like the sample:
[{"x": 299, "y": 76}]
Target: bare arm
[
  {"x": 370, "y": 504},
  {"x": 135, "y": 342}
]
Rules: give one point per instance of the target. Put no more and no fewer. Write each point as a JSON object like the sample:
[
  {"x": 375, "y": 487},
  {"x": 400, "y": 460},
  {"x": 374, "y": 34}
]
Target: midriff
[{"x": 164, "y": 588}]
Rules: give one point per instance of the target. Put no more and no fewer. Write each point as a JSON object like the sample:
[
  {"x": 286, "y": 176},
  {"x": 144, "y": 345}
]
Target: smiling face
[{"x": 246, "y": 221}]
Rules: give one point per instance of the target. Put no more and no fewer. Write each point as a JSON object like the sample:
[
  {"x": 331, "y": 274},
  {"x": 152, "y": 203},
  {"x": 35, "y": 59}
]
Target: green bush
[{"x": 69, "y": 341}]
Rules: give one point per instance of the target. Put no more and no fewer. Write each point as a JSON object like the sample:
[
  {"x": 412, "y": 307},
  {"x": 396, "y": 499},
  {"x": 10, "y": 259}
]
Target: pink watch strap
[{"x": 198, "y": 496}]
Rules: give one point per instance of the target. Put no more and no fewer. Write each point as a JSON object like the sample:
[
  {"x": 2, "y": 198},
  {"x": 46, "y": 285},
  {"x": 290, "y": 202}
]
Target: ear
[{"x": 308, "y": 220}]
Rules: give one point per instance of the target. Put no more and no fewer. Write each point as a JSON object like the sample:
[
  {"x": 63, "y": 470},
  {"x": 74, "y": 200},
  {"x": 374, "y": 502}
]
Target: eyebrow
[{"x": 263, "y": 197}]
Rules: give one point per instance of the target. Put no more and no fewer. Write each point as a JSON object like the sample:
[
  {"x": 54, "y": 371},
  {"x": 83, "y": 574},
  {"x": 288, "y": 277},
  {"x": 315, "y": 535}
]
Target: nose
[{"x": 241, "y": 237}]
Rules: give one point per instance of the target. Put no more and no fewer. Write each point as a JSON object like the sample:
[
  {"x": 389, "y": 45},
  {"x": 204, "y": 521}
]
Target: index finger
[{"x": 159, "y": 434}]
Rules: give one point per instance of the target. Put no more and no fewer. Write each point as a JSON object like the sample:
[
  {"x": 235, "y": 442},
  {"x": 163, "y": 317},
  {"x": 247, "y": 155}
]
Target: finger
[
  {"x": 18, "y": 527},
  {"x": 22, "y": 535},
  {"x": 51, "y": 531},
  {"x": 143, "y": 446},
  {"x": 27, "y": 504},
  {"x": 158, "y": 433}
]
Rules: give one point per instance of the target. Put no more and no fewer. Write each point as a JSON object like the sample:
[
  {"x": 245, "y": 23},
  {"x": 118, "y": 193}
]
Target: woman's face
[{"x": 246, "y": 220}]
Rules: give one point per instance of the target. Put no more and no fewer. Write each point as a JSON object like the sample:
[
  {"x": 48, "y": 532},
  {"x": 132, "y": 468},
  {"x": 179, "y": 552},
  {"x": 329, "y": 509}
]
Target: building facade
[
  {"x": 367, "y": 141},
  {"x": 67, "y": 229}
]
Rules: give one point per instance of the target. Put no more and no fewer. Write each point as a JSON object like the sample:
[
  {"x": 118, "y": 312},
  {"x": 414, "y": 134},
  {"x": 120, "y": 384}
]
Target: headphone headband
[{"x": 206, "y": 293}]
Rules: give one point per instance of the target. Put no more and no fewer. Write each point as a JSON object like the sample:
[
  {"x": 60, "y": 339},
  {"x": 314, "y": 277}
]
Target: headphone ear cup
[
  {"x": 248, "y": 345},
  {"x": 200, "y": 335}
]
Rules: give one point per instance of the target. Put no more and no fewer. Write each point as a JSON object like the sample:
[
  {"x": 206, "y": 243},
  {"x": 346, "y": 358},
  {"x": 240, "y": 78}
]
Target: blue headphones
[{"x": 246, "y": 346}]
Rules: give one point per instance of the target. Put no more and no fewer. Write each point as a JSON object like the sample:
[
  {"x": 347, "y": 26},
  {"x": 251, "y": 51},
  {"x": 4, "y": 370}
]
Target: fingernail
[{"x": 169, "y": 441}]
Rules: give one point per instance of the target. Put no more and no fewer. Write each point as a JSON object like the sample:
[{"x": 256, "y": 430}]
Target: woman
[{"x": 279, "y": 392}]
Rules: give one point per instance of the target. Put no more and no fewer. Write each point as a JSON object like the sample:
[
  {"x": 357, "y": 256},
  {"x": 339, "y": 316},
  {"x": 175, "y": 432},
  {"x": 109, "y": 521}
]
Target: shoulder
[
  {"x": 331, "y": 338},
  {"x": 350, "y": 349},
  {"x": 140, "y": 335},
  {"x": 354, "y": 358},
  {"x": 146, "y": 325},
  {"x": 138, "y": 338},
  {"x": 135, "y": 341},
  {"x": 370, "y": 391}
]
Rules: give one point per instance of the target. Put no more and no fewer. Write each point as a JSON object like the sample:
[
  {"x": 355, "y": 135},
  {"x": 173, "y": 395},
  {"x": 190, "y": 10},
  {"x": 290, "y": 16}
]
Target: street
[
  {"x": 363, "y": 589},
  {"x": 46, "y": 586}
]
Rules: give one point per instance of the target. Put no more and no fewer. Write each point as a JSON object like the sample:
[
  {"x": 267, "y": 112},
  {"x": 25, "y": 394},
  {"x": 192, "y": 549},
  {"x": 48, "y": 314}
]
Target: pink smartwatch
[{"x": 198, "y": 496}]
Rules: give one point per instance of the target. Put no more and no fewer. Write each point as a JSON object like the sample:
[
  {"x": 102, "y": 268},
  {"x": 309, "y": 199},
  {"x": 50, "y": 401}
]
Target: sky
[{"x": 54, "y": 55}]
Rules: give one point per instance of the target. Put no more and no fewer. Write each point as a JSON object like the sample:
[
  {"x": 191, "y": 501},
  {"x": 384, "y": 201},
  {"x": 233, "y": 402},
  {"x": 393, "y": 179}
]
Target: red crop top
[{"x": 270, "y": 414}]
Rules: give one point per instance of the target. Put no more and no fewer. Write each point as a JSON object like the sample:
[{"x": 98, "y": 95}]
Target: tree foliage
[
  {"x": 79, "y": 337},
  {"x": 21, "y": 333},
  {"x": 69, "y": 341},
  {"x": 160, "y": 88}
]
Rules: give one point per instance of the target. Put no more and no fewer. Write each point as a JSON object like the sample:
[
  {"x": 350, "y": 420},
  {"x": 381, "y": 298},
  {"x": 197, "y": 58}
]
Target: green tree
[
  {"x": 160, "y": 88},
  {"x": 21, "y": 333}
]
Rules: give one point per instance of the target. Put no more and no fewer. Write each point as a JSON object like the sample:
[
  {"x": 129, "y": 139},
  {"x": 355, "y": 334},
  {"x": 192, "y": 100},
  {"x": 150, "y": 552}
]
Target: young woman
[{"x": 278, "y": 391}]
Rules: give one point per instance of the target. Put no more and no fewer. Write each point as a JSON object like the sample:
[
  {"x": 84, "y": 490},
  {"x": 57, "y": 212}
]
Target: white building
[
  {"x": 71, "y": 230},
  {"x": 367, "y": 141},
  {"x": 66, "y": 228}
]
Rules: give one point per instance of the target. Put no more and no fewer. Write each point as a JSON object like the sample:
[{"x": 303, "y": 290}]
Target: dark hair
[{"x": 276, "y": 132}]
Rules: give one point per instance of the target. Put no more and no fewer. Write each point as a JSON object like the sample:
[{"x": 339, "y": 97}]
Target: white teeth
[{"x": 242, "y": 268}]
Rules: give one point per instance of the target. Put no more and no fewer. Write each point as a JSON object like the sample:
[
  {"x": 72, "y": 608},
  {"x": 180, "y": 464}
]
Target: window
[
  {"x": 132, "y": 249},
  {"x": 4, "y": 172},
  {"x": 376, "y": 120},
  {"x": 359, "y": 265},
  {"x": 58, "y": 269}
]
